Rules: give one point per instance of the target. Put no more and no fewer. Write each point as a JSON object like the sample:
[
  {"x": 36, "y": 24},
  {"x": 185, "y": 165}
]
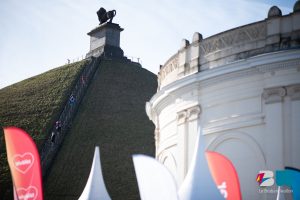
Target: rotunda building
[{"x": 241, "y": 87}]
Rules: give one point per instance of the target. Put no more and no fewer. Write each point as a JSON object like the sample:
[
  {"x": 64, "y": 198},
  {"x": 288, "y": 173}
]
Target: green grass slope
[
  {"x": 33, "y": 105},
  {"x": 111, "y": 115}
]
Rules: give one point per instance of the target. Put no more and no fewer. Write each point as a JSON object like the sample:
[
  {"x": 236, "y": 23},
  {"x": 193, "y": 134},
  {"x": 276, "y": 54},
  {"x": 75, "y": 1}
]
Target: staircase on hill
[
  {"x": 51, "y": 147},
  {"x": 111, "y": 115}
]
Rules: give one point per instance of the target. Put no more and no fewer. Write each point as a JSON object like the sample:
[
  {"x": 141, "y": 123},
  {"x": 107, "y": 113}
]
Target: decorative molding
[
  {"x": 256, "y": 65},
  {"x": 193, "y": 113},
  {"x": 247, "y": 71},
  {"x": 293, "y": 91},
  {"x": 171, "y": 65},
  {"x": 182, "y": 117},
  {"x": 259, "y": 69},
  {"x": 230, "y": 38},
  {"x": 188, "y": 114},
  {"x": 242, "y": 121},
  {"x": 279, "y": 65},
  {"x": 274, "y": 95}
]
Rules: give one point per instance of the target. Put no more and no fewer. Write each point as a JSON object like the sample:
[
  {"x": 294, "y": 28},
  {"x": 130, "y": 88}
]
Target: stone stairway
[
  {"x": 112, "y": 116},
  {"x": 51, "y": 147}
]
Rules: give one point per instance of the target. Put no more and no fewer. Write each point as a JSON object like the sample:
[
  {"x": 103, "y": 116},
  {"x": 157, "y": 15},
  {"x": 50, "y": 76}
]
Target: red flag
[
  {"x": 224, "y": 175},
  {"x": 24, "y": 162}
]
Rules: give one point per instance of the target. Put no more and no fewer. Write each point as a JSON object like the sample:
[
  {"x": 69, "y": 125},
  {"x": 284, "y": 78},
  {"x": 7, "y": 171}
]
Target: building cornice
[
  {"x": 273, "y": 34},
  {"x": 255, "y": 65}
]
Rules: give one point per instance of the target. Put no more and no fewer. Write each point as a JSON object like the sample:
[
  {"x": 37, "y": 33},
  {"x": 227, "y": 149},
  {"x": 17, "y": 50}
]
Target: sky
[{"x": 36, "y": 36}]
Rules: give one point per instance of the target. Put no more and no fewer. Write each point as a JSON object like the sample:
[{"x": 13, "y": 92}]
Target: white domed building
[{"x": 242, "y": 87}]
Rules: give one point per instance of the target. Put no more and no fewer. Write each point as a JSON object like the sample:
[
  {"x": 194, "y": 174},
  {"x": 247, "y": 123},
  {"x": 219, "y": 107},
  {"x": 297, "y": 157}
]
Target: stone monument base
[
  {"x": 107, "y": 51},
  {"x": 105, "y": 41}
]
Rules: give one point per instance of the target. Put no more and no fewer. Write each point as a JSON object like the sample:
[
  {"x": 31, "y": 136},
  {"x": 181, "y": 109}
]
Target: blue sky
[{"x": 36, "y": 36}]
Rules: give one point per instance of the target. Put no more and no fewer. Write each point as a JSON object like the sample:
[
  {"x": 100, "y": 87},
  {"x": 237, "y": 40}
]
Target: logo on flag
[
  {"x": 265, "y": 178},
  {"x": 29, "y": 193},
  {"x": 23, "y": 162},
  {"x": 223, "y": 189}
]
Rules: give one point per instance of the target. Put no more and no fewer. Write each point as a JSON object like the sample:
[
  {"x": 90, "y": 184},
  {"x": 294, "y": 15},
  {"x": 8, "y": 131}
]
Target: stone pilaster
[
  {"x": 182, "y": 144},
  {"x": 187, "y": 124}
]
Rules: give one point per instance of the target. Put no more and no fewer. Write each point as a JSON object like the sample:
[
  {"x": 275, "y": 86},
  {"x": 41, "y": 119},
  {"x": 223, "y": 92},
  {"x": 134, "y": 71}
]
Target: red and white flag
[
  {"x": 24, "y": 162},
  {"x": 224, "y": 175}
]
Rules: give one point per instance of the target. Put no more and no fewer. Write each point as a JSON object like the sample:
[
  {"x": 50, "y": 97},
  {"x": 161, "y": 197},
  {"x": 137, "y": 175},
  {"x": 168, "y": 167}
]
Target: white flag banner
[
  {"x": 154, "y": 180},
  {"x": 198, "y": 183},
  {"x": 95, "y": 187}
]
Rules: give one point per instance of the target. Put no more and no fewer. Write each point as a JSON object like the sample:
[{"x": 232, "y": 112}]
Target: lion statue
[{"x": 104, "y": 16}]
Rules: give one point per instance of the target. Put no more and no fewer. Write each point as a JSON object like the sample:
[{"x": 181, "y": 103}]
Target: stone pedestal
[{"x": 105, "y": 40}]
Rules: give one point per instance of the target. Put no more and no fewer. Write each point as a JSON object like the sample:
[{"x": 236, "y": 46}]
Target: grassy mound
[
  {"x": 112, "y": 115},
  {"x": 33, "y": 105}
]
